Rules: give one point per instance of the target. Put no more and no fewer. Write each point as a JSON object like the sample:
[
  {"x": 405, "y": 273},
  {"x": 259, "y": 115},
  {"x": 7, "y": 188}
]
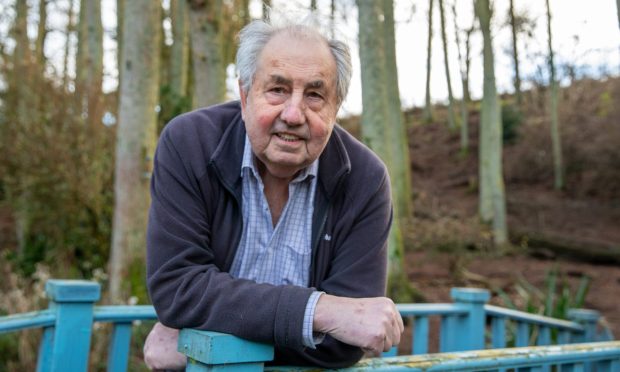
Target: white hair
[{"x": 254, "y": 36}]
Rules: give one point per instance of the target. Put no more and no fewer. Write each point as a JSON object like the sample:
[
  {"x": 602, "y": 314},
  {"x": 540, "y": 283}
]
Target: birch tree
[
  {"x": 515, "y": 52},
  {"x": 428, "y": 107},
  {"x": 464, "y": 71},
  {"x": 135, "y": 144},
  {"x": 120, "y": 20},
  {"x": 41, "y": 35},
  {"x": 207, "y": 60},
  {"x": 401, "y": 181},
  {"x": 492, "y": 203},
  {"x": 444, "y": 39},
  {"x": 90, "y": 57},
  {"x": 377, "y": 131},
  {"x": 22, "y": 61},
  {"x": 70, "y": 30},
  {"x": 179, "y": 62},
  {"x": 556, "y": 141}
]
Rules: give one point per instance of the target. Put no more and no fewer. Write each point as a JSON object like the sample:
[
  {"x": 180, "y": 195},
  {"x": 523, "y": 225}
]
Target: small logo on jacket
[{"x": 327, "y": 237}]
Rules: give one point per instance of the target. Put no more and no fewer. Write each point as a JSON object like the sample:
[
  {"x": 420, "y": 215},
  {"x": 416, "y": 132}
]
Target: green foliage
[
  {"x": 511, "y": 120},
  {"x": 554, "y": 300}
]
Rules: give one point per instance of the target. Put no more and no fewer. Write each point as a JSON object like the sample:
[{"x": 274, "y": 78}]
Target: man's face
[{"x": 290, "y": 110}]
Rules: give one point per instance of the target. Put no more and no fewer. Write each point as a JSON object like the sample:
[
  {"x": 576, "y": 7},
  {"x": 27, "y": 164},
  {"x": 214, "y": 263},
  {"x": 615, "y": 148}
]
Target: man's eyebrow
[
  {"x": 279, "y": 79},
  {"x": 317, "y": 84}
]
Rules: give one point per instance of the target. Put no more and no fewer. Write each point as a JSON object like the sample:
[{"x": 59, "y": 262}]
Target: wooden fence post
[
  {"x": 470, "y": 329},
  {"x": 209, "y": 351},
  {"x": 588, "y": 319},
  {"x": 66, "y": 345}
]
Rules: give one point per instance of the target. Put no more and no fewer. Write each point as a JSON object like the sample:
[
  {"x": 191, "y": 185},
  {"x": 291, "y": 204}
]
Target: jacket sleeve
[
  {"x": 357, "y": 263},
  {"x": 185, "y": 286}
]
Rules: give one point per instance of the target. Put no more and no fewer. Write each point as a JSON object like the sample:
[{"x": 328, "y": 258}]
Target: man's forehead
[{"x": 284, "y": 53}]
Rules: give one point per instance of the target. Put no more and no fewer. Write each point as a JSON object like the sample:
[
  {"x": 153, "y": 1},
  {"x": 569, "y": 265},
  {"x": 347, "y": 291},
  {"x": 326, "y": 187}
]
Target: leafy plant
[{"x": 554, "y": 299}]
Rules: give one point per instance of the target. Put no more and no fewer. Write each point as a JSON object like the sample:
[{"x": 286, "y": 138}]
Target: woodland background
[{"x": 517, "y": 191}]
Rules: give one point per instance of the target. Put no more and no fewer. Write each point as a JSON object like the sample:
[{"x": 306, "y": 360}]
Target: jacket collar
[{"x": 334, "y": 162}]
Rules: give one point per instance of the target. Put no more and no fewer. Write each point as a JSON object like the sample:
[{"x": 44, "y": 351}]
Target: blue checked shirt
[{"x": 282, "y": 254}]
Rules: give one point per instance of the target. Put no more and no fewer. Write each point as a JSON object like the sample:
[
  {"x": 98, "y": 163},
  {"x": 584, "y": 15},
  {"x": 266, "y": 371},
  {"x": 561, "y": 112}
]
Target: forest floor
[{"x": 574, "y": 232}]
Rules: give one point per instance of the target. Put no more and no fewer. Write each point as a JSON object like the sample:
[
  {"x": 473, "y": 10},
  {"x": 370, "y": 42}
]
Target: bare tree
[
  {"x": 379, "y": 126},
  {"x": 492, "y": 202},
  {"x": 179, "y": 61},
  {"x": 428, "y": 107},
  {"x": 70, "y": 30},
  {"x": 41, "y": 35},
  {"x": 515, "y": 52},
  {"x": 444, "y": 39},
  {"x": 207, "y": 57},
  {"x": 464, "y": 62},
  {"x": 135, "y": 144},
  {"x": 556, "y": 141}
]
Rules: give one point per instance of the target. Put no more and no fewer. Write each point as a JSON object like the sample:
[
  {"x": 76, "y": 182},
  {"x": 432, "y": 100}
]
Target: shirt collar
[{"x": 248, "y": 162}]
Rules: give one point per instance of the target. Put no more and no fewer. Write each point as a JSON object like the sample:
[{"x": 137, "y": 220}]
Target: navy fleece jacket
[{"x": 195, "y": 225}]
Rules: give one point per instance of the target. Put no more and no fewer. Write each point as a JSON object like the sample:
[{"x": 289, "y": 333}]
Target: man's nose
[{"x": 293, "y": 112}]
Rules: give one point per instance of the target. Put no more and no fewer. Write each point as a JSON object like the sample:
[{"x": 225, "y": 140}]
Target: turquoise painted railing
[{"x": 463, "y": 326}]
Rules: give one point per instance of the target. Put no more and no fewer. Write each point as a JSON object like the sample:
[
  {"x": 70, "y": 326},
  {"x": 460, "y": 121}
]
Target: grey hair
[{"x": 254, "y": 36}]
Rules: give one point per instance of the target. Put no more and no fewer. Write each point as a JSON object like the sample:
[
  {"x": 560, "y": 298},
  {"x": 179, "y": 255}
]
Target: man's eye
[
  {"x": 277, "y": 90},
  {"x": 315, "y": 95}
]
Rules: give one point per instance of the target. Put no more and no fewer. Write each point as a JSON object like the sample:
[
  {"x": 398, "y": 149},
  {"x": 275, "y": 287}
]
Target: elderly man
[{"x": 268, "y": 221}]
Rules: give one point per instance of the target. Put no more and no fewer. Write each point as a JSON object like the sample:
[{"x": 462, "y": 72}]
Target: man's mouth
[{"x": 288, "y": 137}]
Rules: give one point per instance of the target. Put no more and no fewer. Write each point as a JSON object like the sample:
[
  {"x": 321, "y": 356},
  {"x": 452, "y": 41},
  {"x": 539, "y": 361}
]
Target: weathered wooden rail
[{"x": 467, "y": 326}]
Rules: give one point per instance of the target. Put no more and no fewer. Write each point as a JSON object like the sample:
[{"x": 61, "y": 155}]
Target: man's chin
[{"x": 285, "y": 168}]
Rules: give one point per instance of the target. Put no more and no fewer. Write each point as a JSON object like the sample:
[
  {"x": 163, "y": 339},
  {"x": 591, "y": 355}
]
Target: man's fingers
[
  {"x": 401, "y": 325},
  {"x": 387, "y": 344}
]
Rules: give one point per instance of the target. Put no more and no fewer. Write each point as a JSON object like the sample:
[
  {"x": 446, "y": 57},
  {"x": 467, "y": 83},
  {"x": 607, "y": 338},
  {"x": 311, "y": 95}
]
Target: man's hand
[{"x": 373, "y": 324}]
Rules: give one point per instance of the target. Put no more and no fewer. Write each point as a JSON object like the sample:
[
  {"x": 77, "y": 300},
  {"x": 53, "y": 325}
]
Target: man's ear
[{"x": 243, "y": 98}]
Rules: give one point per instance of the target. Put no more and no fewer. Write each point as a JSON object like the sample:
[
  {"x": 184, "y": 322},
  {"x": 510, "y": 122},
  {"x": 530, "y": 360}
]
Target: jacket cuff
[{"x": 289, "y": 317}]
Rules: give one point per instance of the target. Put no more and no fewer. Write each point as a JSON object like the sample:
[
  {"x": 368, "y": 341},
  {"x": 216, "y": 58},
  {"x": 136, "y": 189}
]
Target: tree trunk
[
  {"x": 207, "y": 59},
  {"x": 470, "y": 31},
  {"x": 120, "y": 19},
  {"x": 179, "y": 60},
  {"x": 444, "y": 39},
  {"x": 464, "y": 99},
  {"x": 22, "y": 63},
  {"x": 492, "y": 198},
  {"x": 135, "y": 146},
  {"x": 90, "y": 58},
  {"x": 70, "y": 30},
  {"x": 376, "y": 129},
  {"x": 428, "y": 107},
  {"x": 515, "y": 54},
  {"x": 94, "y": 75},
  {"x": 401, "y": 182},
  {"x": 41, "y": 34},
  {"x": 556, "y": 140}
]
